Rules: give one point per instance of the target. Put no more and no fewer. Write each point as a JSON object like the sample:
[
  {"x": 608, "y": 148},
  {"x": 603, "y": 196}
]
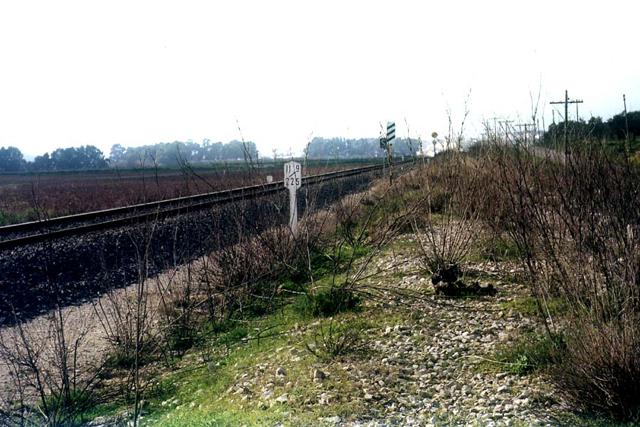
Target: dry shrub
[
  {"x": 575, "y": 221},
  {"x": 128, "y": 318},
  {"x": 364, "y": 224},
  {"x": 600, "y": 367},
  {"x": 243, "y": 278},
  {"x": 180, "y": 310},
  {"x": 52, "y": 382},
  {"x": 129, "y": 322},
  {"x": 347, "y": 213},
  {"x": 452, "y": 223}
]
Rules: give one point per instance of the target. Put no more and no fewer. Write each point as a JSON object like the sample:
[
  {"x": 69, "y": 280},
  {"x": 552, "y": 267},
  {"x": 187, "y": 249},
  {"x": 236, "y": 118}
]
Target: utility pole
[
  {"x": 626, "y": 127},
  {"x": 555, "y": 130},
  {"x": 626, "y": 124},
  {"x": 566, "y": 103}
]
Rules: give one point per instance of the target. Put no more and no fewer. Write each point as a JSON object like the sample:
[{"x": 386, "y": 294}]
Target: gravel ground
[
  {"x": 432, "y": 362},
  {"x": 422, "y": 369}
]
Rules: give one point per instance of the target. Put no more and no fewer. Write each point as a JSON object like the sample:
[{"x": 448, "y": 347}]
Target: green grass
[
  {"x": 591, "y": 421},
  {"x": 495, "y": 249},
  {"x": 530, "y": 353},
  {"x": 196, "y": 393},
  {"x": 528, "y": 306},
  {"x": 328, "y": 301},
  {"x": 7, "y": 218},
  {"x": 335, "y": 260},
  {"x": 201, "y": 389}
]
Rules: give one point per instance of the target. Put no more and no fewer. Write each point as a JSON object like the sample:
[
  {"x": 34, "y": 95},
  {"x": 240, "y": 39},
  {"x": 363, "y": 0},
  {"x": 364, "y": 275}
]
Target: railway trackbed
[
  {"x": 27, "y": 233},
  {"x": 67, "y": 260}
]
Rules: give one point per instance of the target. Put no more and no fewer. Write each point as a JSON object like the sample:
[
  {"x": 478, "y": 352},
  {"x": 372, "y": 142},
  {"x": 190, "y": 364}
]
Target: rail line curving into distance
[{"x": 16, "y": 235}]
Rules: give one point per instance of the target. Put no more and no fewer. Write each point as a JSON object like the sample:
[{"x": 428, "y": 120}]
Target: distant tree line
[
  {"x": 72, "y": 158},
  {"x": 172, "y": 154},
  {"x": 341, "y": 148},
  {"x": 595, "y": 128}
]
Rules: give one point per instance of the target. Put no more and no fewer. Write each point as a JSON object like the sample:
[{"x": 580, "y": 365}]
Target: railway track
[
  {"x": 67, "y": 260},
  {"x": 28, "y": 233}
]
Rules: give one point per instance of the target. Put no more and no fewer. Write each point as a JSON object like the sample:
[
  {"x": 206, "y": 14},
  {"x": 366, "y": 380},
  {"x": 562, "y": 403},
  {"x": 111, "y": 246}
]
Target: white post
[
  {"x": 293, "y": 211},
  {"x": 293, "y": 181}
]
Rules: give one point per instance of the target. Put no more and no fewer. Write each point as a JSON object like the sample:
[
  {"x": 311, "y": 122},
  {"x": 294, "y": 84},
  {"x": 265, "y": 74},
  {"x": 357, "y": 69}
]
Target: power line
[
  {"x": 526, "y": 129},
  {"x": 505, "y": 125}
]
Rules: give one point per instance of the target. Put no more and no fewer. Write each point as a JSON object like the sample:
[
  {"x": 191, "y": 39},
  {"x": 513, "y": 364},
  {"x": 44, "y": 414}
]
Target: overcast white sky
[{"x": 139, "y": 72}]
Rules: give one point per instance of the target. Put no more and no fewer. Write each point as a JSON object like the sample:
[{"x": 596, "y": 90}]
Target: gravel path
[
  {"x": 428, "y": 365},
  {"x": 429, "y": 374}
]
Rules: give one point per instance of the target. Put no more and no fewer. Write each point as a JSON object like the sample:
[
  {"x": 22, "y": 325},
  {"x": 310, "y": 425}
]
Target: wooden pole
[
  {"x": 626, "y": 126},
  {"x": 566, "y": 103}
]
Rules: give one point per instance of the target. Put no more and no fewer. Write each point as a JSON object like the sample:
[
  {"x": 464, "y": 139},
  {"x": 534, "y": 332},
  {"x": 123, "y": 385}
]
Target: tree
[
  {"x": 233, "y": 151},
  {"x": 42, "y": 163},
  {"x": 11, "y": 159},
  {"x": 85, "y": 157},
  {"x": 614, "y": 129},
  {"x": 172, "y": 154},
  {"x": 598, "y": 129},
  {"x": 618, "y": 126},
  {"x": 91, "y": 157},
  {"x": 117, "y": 153}
]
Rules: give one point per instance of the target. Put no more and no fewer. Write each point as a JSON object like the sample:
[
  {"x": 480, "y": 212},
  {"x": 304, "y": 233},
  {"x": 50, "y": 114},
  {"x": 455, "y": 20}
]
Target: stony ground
[
  {"x": 427, "y": 360},
  {"x": 426, "y": 364}
]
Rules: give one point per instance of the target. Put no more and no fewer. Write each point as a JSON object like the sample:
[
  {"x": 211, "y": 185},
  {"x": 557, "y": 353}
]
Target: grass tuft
[{"x": 530, "y": 353}]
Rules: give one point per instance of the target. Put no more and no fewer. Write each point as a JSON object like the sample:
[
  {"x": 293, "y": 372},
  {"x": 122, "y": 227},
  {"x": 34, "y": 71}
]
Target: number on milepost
[{"x": 292, "y": 175}]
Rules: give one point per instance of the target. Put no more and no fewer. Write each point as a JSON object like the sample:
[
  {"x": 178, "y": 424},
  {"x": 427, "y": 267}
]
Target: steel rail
[{"x": 155, "y": 210}]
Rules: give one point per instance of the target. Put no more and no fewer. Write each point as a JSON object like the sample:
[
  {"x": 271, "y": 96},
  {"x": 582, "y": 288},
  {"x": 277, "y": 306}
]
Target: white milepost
[{"x": 293, "y": 181}]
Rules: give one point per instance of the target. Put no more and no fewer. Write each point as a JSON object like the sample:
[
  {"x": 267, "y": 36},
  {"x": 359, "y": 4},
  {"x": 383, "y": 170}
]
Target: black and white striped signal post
[
  {"x": 387, "y": 145},
  {"x": 391, "y": 131}
]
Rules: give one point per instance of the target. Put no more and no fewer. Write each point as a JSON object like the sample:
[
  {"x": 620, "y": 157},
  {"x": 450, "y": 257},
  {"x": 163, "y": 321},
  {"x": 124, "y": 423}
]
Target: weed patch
[
  {"x": 530, "y": 353},
  {"x": 333, "y": 339},
  {"x": 528, "y": 306}
]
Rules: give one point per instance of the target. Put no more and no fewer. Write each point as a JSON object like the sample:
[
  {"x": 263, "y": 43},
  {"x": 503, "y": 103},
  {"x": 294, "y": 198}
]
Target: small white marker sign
[
  {"x": 293, "y": 181},
  {"x": 292, "y": 175}
]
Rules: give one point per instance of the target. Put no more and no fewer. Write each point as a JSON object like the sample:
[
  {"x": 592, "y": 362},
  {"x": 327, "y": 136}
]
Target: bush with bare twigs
[
  {"x": 575, "y": 221},
  {"x": 52, "y": 383},
  {"x": 451, "y": 225}
]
